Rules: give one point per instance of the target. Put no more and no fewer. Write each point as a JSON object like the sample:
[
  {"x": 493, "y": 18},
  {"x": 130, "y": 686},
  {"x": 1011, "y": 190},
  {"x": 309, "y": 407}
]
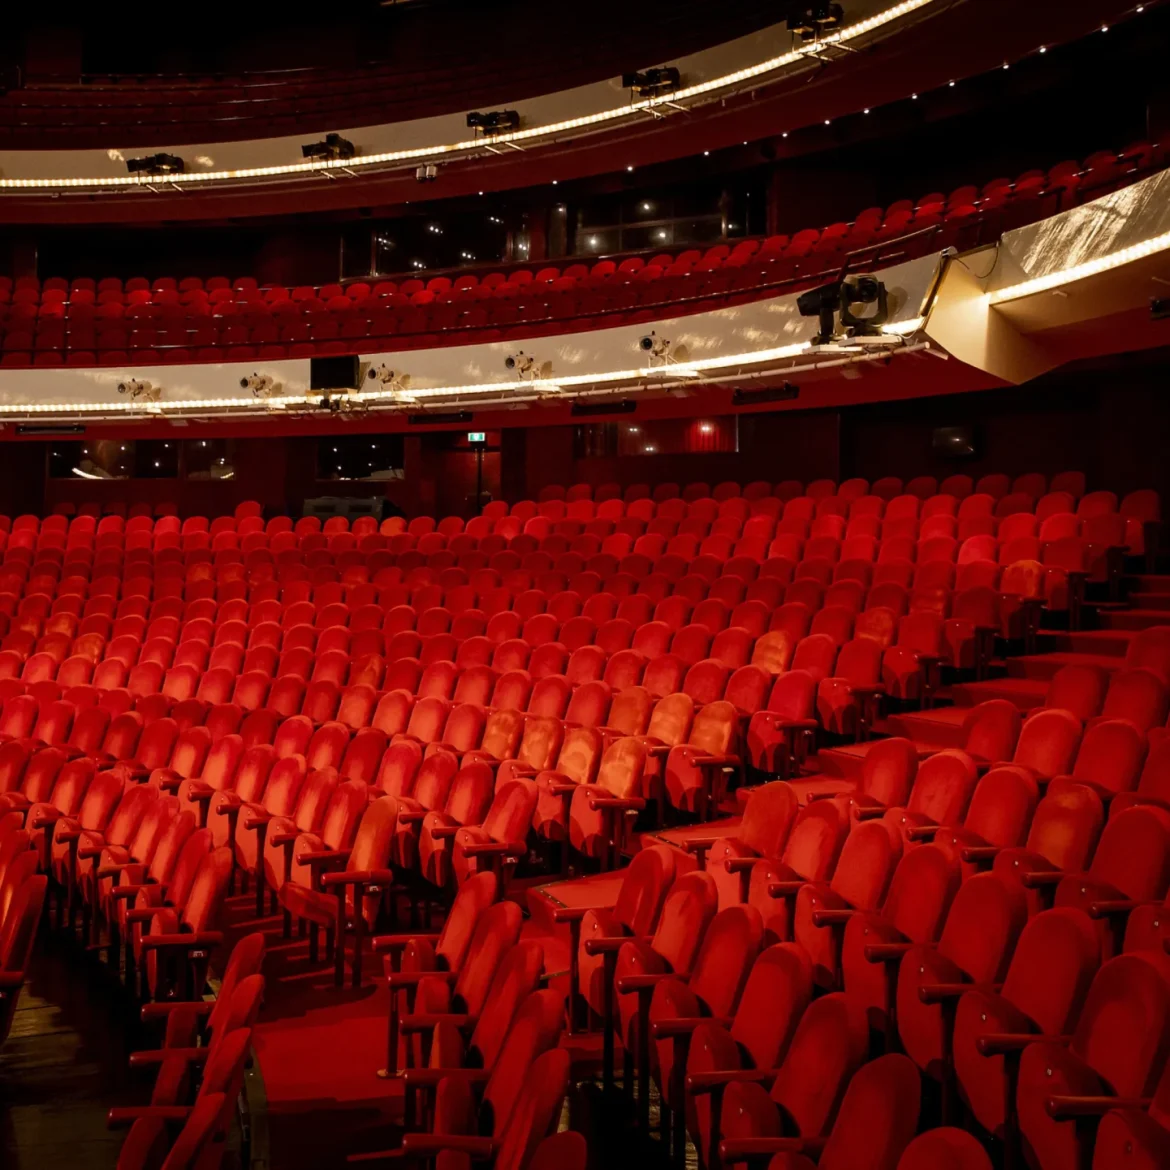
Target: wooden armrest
[
  {"x": 397, "y": 942},
  {"x": 831, "y": 917},
  {"x": 639, "y": 983},
  {"x": 684, "y": 1025},
  {"x": 183, "y": 942},
  {"x": 1064, "y": 1108},
  {"x": 359, "y": 877},
  {"x": 1001, "y": 1043}
]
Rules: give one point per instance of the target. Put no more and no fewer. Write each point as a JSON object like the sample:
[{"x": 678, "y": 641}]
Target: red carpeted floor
[
  {"x": 318, "y": 1050},
  {"x": 319, "y": 1047}
]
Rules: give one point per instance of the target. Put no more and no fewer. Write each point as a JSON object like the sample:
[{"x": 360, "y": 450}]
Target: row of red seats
[
  {"x": 909, "y": 883},
  {"x": 1063, "y": 180}
]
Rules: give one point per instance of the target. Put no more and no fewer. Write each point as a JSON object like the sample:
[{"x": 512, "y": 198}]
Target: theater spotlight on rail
[
  {"x": 139, "y": 388},
  {"x": 653, "y": 82},
  {"x": 662, "y": 351},
  {"x": 333, "y": 146},
  {"x": 493, "y": 122},
  {"x": 840, "y": 297},
  {"x": 527, "y": 367},
  {"x": 262, "y": 386},
  {"x": 156, "y": 164}
]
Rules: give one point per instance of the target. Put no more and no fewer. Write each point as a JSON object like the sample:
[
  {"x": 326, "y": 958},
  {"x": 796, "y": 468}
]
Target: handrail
[{"x": 693, "y": 304}]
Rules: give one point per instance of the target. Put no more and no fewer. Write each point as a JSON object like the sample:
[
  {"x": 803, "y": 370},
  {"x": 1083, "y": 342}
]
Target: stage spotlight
[
  {"x": 262, "y": 386},
  {"x": 816, "y": 20},
  {"x": 864, "y": 290},
  {"x": 388, "y": 379},
  {"x": 333, "y": 147},
  {"x": 138, "y": 388},
  {"x": 493, "y": 122},
  {"x": 662, "y": 351},
  {"x": 822, "y": 302},
  {"x": 840, "y": 297},
  {"x": 156, "y": 164},
  {"x": 653, "y": 82},
  {"x": 427, "y": 173},
  {"x": 527, "y": 367}
]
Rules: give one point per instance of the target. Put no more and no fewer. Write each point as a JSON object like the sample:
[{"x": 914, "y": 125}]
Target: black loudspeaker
[{"x": 334, "y": 373}]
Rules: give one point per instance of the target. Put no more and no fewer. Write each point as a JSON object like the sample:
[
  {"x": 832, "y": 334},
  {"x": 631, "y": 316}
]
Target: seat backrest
[
  {"x": 955, "y": 1149},
  {"x": 472, "y": 900},
  {"x": 878, "y": 1116},
  {"x": 866, "y": 865},
  {"x": 1053, "y": 965},
  {"x": 1123, "y": 1033},
  {"x": 689, "y": 908},
  {"x": 645, "y": 886},
  {"x": 730, "y": 946},
  {"x": 889, "y": 769},
  {"x": 515, "y": 979},
  {"x": 496, "y": 932},
  {"x": 943, "y": 787},
  {"x": 829, "y": 1044}
]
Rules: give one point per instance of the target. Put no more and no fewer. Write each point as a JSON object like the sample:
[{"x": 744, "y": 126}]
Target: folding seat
[
  {"x": 912, "y": 913},
  {"x": 1130, "y": 867},
  {"x": 858, "y": 882},
  {"x": 749, "y": 1118},
  {"x": 1117, "y": 1049},
  {"x": 1063, "y": 834},
  {"x": 846, "y": 701}
]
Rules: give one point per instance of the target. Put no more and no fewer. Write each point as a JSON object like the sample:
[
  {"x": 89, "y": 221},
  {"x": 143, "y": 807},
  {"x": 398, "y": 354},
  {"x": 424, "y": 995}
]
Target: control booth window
[
  {"x": 114, "y": 459},
  {"x": 360, "y": 457},
  {"x": 666, "y": 436},
  {"x": 209, "y": 459}
]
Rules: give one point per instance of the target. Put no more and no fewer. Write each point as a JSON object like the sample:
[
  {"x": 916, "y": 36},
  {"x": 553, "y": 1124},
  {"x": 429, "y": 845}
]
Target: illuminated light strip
[
  {"x": 905, "y": 328},
  {"x": 691, "y": 369},
  {"x": 1053, "y": 280},
  {"x": 584, "y": 121}
]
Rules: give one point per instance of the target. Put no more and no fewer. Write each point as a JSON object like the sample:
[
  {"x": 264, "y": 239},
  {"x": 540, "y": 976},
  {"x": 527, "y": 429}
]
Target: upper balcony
[{"x": 241, "y": 142}]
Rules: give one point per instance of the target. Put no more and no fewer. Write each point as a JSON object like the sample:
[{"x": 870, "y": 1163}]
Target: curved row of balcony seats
[
  {"x": 68, "y": 112},
  {"x": 105, "y": 321}
]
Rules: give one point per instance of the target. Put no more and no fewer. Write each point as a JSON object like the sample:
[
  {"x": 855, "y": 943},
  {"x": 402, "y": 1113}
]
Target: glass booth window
[
  {"x": 663, "y": 436},
  {"x": 360, "y": 457},
  {"x": 209, "y": 458},
  {"x": 95, "y": 459}
]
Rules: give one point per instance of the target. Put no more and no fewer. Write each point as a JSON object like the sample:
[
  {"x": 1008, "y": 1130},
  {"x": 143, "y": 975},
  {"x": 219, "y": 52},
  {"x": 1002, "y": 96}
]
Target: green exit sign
[{"x": 477, "y": 436}]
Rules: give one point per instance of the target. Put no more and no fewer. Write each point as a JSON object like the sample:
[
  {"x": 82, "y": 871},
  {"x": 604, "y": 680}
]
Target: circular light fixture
[
  {"x": 706, "y": 154},
  {"x": 866, "y": 110},
  {"x": 629, "y": 168}
]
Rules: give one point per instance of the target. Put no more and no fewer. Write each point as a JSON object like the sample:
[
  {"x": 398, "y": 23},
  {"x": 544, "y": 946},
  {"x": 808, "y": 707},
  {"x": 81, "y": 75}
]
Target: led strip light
[
  {"x": 446, "y": 150},
  {"x": 655, "y": 375},
  {"x": 1039, "y": 284}
]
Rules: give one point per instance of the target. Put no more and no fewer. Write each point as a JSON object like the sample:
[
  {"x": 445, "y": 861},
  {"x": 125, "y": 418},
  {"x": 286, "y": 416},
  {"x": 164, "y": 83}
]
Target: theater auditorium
[{"x": 585, "y": 589}]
